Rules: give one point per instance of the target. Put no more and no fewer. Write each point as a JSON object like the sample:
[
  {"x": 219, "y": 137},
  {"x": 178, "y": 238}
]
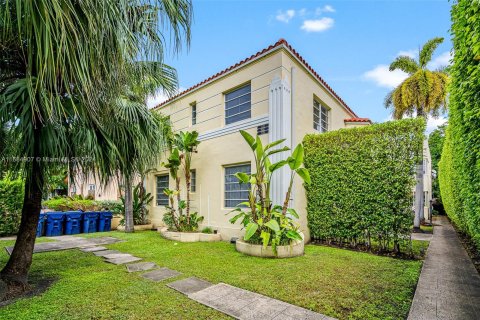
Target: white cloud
[
  {"x": 159, "y": 97},
  {"x": 384, "y": 77},
  {"x": 442, "y": 60},
  {"x": 409, "y": 53},
  {"x": 326, "y": 8},
  {"x": 318, "y": 25},
  {"x": 434, "y": 123},
  {"x": 302, "y": 12},
  {"x": 285, "y": 16}
]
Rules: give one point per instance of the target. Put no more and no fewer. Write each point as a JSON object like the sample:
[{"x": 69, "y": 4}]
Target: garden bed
[
  {"x": 189, "y": 236},
  {"x": 295, "y": 249}
]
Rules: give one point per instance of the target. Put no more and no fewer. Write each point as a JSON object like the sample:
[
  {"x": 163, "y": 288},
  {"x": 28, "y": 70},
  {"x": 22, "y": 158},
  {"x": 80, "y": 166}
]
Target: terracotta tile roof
[
  {"x": 279, "y": 43},
  {"x": 358, "y": 120}
]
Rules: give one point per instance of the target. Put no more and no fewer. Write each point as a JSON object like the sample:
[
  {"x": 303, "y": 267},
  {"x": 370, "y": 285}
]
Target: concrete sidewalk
[{"x": 449, "y": 285}]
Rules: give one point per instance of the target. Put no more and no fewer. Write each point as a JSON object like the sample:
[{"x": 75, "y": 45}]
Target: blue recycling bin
[
  {"x": 54, "y": 226},
  {"x": 73, "y": 222},
  {"x": 90, "y": 222},
  {"x": 105, "y": 221},
  {"x": 41, "y": 225}
]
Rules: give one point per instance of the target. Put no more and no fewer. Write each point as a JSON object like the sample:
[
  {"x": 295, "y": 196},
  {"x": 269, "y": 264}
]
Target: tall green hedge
[
  {"x": 460, "y": 164},
  {"x": 362, "y": 182},
  {"x": 11, "y": 201}
]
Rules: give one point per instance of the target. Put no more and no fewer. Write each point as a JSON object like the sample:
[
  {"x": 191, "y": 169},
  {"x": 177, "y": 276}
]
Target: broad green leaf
[
  {"x": 296, "y": 160},
  {"x": 277, "y": 151},
  {"x": 293, "y": 213},
  {"x": 260, "y": 222},
  {"x": 265, "y": 238},
  {"x": 294, "y": 235},
  {"x": 243, "y": 177},
  {"x": 304, "y": 174},
  {"x": 250, "y": 230},
  {"x": 235, "y": 218},
  {"x": 277, "y": 165},
  {"x": 273, "y": 144},
  {"x": 273, "y": 224},
  {"x": 259, "y": 148},
  {"x": 248, "y": 137}
]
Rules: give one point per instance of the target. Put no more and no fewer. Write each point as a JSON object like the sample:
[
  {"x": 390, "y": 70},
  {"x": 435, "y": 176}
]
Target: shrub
[
  {"x": 114, "y": 206},
  {"x": 362, "y": 182},
  {"x": 11, "y": 201},
  {"x": 70, "y": 204},
  {"x": 208, "y": 230},
  {"x": 265, "y": 222},
  {"x": 141, "y": 199},
  {"x": 460, "y": 162}
]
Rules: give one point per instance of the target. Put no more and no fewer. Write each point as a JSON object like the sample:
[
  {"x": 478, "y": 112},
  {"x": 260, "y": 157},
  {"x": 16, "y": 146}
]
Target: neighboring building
[
  {"x": 91, "y": 187},
  {"x": 273, "y": 93},
  {"x": 427, "y": 182}
]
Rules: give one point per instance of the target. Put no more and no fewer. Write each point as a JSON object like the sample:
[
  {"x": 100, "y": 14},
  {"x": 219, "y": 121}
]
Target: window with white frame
[
  {"x": 193, "y": 180},
  {"x": 238, "y": 104},
  {"x": 162, "y": 184},
  {"x": 236, "y": 192},
  {"x": 320, "y": 116}
]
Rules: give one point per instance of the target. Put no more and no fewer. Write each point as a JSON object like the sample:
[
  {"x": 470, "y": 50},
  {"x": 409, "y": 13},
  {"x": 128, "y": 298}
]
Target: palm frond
[
  {"x": 404, "y": 63},
  {"x": 427, "y": 51}
]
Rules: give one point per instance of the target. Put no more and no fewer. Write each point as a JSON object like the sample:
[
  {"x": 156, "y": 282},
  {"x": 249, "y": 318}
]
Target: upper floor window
[
  {"x": 194, "y": 114},
  {"x": 238, "y": 104},
  {"x": 320, "y": 117},
  {"x": 162, "y": 184}
]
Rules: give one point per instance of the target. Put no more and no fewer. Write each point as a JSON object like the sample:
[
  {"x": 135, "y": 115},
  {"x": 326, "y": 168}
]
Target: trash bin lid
[
  {"x": 73, "y": 214},
  {"x": 106, "y": 214},
  {"x": 55, "y": 216}
]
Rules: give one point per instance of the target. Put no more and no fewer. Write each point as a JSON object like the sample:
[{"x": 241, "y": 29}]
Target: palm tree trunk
[
  {"x": 129, "y": 226},
  {"x": 15, "y": 272}
]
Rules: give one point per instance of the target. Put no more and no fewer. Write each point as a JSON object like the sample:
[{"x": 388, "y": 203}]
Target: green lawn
[{"x": 336, "y": 282}]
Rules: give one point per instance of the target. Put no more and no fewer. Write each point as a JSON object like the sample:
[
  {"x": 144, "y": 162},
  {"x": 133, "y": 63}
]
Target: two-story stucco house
[{"x": 275, "y": 94}]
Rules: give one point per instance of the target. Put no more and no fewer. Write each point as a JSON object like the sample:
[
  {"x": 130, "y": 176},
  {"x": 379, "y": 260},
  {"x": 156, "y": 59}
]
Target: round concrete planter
[
  {"x": 295, "y": 249},
  {"x": 189, "y": 236},
  {"x": 140, "y": 227}
]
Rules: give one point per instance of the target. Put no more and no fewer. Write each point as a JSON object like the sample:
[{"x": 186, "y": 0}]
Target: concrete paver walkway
[
  {"x": 243, "y": 304},
  {"x": 449, "y": 285},
  {"x": 69, "y": 242}
]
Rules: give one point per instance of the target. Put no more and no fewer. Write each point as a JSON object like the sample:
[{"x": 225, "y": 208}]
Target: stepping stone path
[
  {"x": 141, "y": 266},
  {"x": 243, "y": 304},
  {"x": 160, "y": 274},
  {"x": 105, "y": 253},
  {"x": 93, "y": 249},
  {"x": 69, "y": 242},
  {"x": 233, "y": 301},
  {"x": 123, "y": 260},
  {"x": 189, "y": 285}
]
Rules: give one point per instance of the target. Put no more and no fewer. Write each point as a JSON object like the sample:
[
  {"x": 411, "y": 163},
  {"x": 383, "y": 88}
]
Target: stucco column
[{"x": 280, "y": 127}]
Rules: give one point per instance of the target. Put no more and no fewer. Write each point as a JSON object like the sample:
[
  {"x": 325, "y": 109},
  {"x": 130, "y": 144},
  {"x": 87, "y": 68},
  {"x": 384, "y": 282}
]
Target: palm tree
[
  {"x": 187, "y": 143},
  {"x": 138, "y": 132},
  {"x": 422, "y": 94},
  {"x": 63, "y": 65}
]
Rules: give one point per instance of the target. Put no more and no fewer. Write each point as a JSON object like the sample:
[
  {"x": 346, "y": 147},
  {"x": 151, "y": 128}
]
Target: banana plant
[
  {"x": 264, "y": 222},
  {"x": 187, "y": 143}
]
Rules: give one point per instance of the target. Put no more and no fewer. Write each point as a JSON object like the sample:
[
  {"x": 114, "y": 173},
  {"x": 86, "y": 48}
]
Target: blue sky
[{"x": 349, "y": 43}]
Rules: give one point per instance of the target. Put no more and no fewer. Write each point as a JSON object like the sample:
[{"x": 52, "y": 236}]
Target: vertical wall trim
[{"x": 280, "y": 119}]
